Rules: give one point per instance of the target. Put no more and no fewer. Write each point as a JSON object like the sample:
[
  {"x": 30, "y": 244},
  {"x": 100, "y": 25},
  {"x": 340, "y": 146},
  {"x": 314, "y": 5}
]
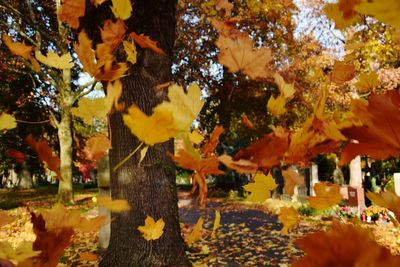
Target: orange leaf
[
  {"x": 379, "y": 137},
  {"x": 289, "y": 217},
  {"x": 88, "y": 256},
  {"x": 86, "y": 53},
  {"x": 328, "y": 195},
  {"x": 239, "y": 54},
  {"x": 342, "y": 72},
  {"x": 46, "y": 154},
  {"x": 343, "y": 245},
  {"x": 20, "y": 49},
  {"x": 226, "y": 5},
  {"x": 292, "y": 179},
  {"x": 97, "y": 2},
  {"x": 145, "y": 42},
  {"x": 211, "y": 144},
  {"x": 113, "y": 33},
  {"x": 5, "y": 218},
  {"x": 97, "y": 147},
  {"x": 247, "y": 122},
  {"x": 70, "y": 11},
  {"x": 240, "y": 166}
]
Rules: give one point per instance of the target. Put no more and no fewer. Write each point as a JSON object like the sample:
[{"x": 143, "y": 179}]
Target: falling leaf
[
  {"x": 292, "y": 179},
  {"x": 367, "y": 82},
  {"x": 327, "y": 195},
  {"x": 18, "y": 254},
  {"x": 195, "y": 137},
  {"x": 97, "y": 147},
  {"x": 152, "y": 230},
  {"x": 286, "y": 89},
  {"x": 150, "y": 129},
  {"x": 342, "y": 72},
  {"x": 199, "y": 181},
  {"x": 343, "y": 245},
  {"x": 387, "y": 199},
  {"x": 238, "y": 54},
  {"x": 70, "y": 11},
  {"x": 46, "y": 154},
  {"x": 116, "y": 205},
  {"x": 122, "y": 9},
  {"x": 114, "y": 92},
  {"x": 277, "y": 105},
  {"x": 145, "y": 42},
  {"x": 112, "y": 33},
  {"x": 143, "y": 153},
  {"x": 54, "y": 60},
  {"x": 342, "y": 13},
  {"x": 240, "y": 166},
  {"x": 88, "y": 109},
  {"x": 266, "y": 152},
  {"x": 88, "y": 256},
  {"x": 384, "y": 10},
  {"x": 217, "y": 221},
  {"x": 86, "y": 53},
  {"x": 183, "y": 107},
  {"x": 5, "y": 219},
  {"x": 7, "y": 122},
  {"x": 201, "y": 165},
  {"x": 130, "y": 50},
  {"x": 261, "y": 188},
  {"x": 225, "y": 5},
  {"x": 247, "y": 122},
  {"x": 15, "y": 154},
  {"x": 211, "y": 144},
  {"x": 97, "y": 2},
  {"x": 378, "y": 137},
  {"x": 20, "y": 49},
  {"x": 195, "y": 235},
  {"x": 289, "y": 218}
]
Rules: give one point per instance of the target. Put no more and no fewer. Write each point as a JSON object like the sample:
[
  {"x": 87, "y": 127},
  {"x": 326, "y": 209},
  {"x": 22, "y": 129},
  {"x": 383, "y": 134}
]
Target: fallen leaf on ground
[{"x": 195, "y": 235}]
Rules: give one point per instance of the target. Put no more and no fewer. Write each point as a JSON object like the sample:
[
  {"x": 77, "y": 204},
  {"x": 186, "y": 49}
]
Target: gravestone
[
  {"x": 396, "y": 178},
  {"x": 301, "y": 193},
  {"x": 356, "y": 197},
  {"x": 314, "y": 178}
]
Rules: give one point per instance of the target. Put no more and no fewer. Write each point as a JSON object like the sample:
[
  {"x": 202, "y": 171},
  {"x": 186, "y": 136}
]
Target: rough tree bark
[{"x": 150, "y": 188}]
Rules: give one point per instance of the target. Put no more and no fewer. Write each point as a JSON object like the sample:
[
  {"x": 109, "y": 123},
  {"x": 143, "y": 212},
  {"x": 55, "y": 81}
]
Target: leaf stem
[{"x": 127, "y": 157}]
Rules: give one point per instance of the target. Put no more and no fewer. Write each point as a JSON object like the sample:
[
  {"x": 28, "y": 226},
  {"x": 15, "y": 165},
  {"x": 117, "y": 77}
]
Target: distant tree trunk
[
  {"x": 25, "y": 177},
  {"x": 150, "y": 188}
]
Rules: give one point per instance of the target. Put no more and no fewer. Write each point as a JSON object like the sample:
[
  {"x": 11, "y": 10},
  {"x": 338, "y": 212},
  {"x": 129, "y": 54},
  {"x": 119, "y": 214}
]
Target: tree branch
[{"x": 82, "y": 88}]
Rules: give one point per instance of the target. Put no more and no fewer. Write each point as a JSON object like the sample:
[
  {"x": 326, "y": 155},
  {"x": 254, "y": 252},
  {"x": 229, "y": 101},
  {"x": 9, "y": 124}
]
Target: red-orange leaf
[
  {"x": 113, "y": 33},
  {"x": 17, "y": 155},
  {"x": 46, "y": 154},
  {"x": 214, "y": 140},
  {"x": 70, "y": 12},
  {"x": 145, "y": 42}
]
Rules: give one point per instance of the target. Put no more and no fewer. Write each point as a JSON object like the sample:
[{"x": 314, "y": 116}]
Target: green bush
[{"x": 306, "y": 210}]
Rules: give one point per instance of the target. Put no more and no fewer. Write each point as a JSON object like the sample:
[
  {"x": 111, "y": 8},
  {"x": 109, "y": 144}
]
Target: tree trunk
[
  {"x": 65, "y": 139},
  {"x": 149, "y": 188},
  {"x": 25, "y": 177}
]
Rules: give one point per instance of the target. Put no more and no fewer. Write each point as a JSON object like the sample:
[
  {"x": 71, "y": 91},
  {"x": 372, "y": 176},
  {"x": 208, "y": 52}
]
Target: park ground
[{"x": 249, "y": 235}]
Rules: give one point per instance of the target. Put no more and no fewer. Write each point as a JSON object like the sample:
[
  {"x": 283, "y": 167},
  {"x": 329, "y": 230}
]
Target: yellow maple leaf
[
  {"x": 19, "y": 254},
  {"x": 20, "y": 49},
  {"x": 289, "y": 217},
  {"x": 327, "y": 195},
  {"x": 116, "y": 205},
  {"x": 261, "y": 188},
  {"x": 387, "y": 11},
  {"x": 342, "y": 18},
  {"x": 183, "y": 107},
  {"x": 7, "y": 122},
  {"x": 150, "y": 129},
  {"x": 195, "y": 235},
  {"x": 54, "y": 60},
  {"x": 239, "y": 54},
  {"x": 152, "y": 230},
  {"x": 91, "y": 108},
  {"x": 59, "y": 217},
  {"x": 217, "y": 221},
  {"x": 286, "y": 89},
  {"x": 122, "y": 9},
  {"x": 277, "y": 105},
  {"x": 367, "y": 82},
  {"x": 130, "y": 50}
]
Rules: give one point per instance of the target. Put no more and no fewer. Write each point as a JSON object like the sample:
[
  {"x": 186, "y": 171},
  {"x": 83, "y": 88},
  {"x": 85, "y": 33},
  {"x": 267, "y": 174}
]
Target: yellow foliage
[
  {"x": 116, "y": 205},
  {"x": 54, "y": 60},
  {"x": 289, "y": 218},
  {"x": 152, "y": 230},
  {"x": 195, "y": 235},
  {"x": 7, "y": 122},
  {"x": 122, "y": 9},
  {"x": 261, "y": 188}
]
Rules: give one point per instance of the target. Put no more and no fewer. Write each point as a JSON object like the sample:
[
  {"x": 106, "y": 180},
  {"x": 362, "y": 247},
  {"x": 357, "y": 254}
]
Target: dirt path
[{"x": 247, "y": 235}]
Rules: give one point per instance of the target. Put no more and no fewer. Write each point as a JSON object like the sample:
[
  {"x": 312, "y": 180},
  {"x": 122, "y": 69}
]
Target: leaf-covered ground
[{"x": 247, "y": 236}]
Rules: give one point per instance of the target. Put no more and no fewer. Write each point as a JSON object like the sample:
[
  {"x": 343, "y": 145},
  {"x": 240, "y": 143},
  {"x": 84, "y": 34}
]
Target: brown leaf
[
  {"x": 113, "y": 33},
  {"x": 342, "y": 72},
  {"x": 240, "y": 166},
  {"x": 70, "y": 11},
  {"x": 292, "y": 179},
  {"x": 46, "y": 154},
  {"x": 97, "y": 147},
  {"x": 145, "y": 42}
]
